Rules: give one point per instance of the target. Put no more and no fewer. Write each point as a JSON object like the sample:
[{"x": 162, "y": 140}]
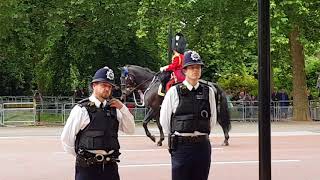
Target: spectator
[
  {"x": 283, "y": 98},
  {"x": 245, "y": 101},
  {"x": 229, "y": 97}
]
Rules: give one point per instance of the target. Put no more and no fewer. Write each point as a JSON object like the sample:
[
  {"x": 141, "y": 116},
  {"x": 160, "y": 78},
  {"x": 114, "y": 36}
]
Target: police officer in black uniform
[
  {"x": 91, "y": 131},
  {"x": 188, "y": 113}
]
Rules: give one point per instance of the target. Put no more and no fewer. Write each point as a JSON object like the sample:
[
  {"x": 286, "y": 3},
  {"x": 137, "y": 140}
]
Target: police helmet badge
[
  {"x": 109, "y": 74},
  {"x": 191, "y": 58},
  {"x": 104, "y": 74},
  {"x": 195, "y": 56}
]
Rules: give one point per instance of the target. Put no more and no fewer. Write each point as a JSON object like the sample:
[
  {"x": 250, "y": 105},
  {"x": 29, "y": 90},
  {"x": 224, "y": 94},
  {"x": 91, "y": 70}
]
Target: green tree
[{"x": 297, "y": 25}]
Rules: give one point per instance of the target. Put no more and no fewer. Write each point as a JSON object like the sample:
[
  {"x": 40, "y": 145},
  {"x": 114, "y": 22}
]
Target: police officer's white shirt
[
  {"x": 79, "y": 119},
  {"x": 171, "y": 102}
]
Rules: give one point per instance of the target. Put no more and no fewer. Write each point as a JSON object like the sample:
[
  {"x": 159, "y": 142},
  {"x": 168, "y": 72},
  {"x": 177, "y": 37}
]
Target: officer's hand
[{"x": 116, "y": 103}]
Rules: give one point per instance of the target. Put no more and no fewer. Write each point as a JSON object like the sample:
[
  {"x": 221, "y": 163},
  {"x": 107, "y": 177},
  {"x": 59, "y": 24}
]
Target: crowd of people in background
[
  {"x": 282, "y": 96},
  {"x": 240, "y": 96},
  {"x": 279, "y": 98}
]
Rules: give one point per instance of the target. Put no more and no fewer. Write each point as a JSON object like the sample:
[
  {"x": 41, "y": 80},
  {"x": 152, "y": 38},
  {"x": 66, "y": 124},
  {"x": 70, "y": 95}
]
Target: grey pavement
[{"x": 238, "y": 129}]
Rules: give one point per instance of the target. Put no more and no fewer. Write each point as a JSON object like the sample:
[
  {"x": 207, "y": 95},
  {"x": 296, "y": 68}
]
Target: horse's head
[
  {"x": 134, "y": 78},
  {"x": 127, "y": 82}
]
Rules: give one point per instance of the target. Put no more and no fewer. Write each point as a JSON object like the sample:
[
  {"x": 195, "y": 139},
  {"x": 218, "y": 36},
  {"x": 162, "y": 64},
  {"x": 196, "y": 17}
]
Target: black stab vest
[
  {"x": 102, "y": 131},
  {"x": 193, "y": 112}
]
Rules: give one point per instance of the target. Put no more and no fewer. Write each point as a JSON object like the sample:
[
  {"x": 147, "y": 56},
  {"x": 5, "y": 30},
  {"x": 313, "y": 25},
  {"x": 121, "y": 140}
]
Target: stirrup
[{"x": 160, "y": 93}]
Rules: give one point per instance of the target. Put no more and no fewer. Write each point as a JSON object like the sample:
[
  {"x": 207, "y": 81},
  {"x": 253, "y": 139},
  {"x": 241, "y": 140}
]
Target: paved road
[
  {"x": 238, "y": 129},
  {"x": 35, "y": 153}
]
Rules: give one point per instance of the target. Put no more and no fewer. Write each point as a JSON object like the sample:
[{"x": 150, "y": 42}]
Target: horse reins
[{"x": 136, "y": 87}]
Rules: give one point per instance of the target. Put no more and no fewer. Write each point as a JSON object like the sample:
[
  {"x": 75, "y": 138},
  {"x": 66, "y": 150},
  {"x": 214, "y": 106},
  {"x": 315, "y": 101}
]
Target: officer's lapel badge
[
  {"x": 91, "y": 106},
  {"x": 184, "y": 90}
]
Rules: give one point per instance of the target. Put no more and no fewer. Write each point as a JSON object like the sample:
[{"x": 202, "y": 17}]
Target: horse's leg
[
  {"x": 226, "y": 137},
  {"x": 224, "y": 117},
  {"x": 226, "y": 128},
  {"x": 160, "y": 128},
  {"x": 146, "y": 120}
]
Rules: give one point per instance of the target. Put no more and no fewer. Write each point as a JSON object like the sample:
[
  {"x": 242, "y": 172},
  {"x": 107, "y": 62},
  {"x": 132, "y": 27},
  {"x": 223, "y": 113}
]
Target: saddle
[{"x": 163, "y": 89}]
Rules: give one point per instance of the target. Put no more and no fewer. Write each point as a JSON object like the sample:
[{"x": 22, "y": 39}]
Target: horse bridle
[{"x": 125, "y": 76}]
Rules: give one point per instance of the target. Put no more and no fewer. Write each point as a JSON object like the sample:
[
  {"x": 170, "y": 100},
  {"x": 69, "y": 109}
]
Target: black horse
[{"x": 134, "y": 78}]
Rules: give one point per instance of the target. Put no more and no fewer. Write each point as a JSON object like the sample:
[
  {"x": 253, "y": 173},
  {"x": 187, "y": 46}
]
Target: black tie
[
  {"x": 101, "y": 105},
  {"x": 193, "y": 89}
]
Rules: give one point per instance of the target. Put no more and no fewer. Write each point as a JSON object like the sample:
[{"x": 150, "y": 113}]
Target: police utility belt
[
  {"x": 175, "y": 140},
  {"x": 86, "y": 159}
]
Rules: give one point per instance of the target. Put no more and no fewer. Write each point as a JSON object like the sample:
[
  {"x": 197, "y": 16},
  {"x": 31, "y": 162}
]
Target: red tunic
[{"x": 176, "y": 67}]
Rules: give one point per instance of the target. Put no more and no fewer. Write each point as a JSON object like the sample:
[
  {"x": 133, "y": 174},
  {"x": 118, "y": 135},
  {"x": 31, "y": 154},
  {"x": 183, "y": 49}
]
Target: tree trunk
[{"x": 300, "y": 98}]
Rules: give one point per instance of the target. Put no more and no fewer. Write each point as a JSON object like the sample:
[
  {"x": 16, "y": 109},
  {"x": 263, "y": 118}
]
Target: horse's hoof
[
  {"x": 159, "y": 143},
  {"x": 153, "y": 138},
  {"x": 225, "y": 144}
]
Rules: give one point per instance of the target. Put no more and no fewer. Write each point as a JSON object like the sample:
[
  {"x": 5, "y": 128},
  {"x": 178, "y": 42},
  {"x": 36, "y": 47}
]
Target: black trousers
[
  {"x": 98, "y": 172},
  {"x": 191, "y": 161}
]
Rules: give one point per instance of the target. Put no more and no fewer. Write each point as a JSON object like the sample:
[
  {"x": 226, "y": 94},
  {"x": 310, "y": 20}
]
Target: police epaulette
[
  {"x": 178, "y": 84},
  {"x": 83, "y": 102},
  {"x": 208, "y": 83},
  {"x": 216, "y": 88}
]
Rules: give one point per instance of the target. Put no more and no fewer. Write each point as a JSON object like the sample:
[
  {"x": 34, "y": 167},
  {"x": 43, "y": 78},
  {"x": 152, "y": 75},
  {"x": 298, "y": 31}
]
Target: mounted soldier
[{"x": 178, "y": 46}]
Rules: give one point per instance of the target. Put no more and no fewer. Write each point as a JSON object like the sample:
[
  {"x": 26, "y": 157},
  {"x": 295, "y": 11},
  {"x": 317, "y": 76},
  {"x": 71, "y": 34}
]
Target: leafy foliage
[
  {"x": 237, "y": 83},
  {"x": 312, "y": 72},
  {"x": 56, "y": 46}
]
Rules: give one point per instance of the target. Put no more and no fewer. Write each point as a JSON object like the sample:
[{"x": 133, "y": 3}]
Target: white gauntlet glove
[{"x": 163, "y": 68}]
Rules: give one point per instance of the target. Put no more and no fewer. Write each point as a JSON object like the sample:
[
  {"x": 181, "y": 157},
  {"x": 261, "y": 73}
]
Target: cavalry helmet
[{"x": 178, "y": 43}]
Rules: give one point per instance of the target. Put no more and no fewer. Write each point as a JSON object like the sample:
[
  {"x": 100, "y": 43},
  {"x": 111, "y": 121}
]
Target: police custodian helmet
[
  {"x": 104, "y": 74},
  {"x": 191, "y": 58}
]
